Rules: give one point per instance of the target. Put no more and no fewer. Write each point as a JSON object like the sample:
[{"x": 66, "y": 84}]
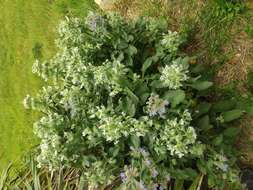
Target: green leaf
[
  {"x": 141, "y": 88},
  {"x": 184, "y": 61},
  {"x": 131, "y": 109},
  {"x": 175, "y": 97},
  {"x": 199, "y": 68},
  {"x": 212, "y": 181},
  {"x": 224, "y": 105},
  {"x": 232, "y": 132},
  {"x": 197, "y": 183},
  {"x": 201, "y": 166},
  {"x": 129, "y": 106},
  {"x": 201, "y": 85},
  {"x": 131, "y": 95},
  {"x": 232, "y": 115},
  {"x": 218, "y": 140},
  {"x": 121, "y": 57},
  {"x": 130, "y": 38},
  {"x": 146, "y": 65},
  {"x": 155, "y": 58},
  {"x": 144, "y": 98},
  {"x": 250, "y": 75},
  {"x": 123, "y": 81},
  {"x": 122, "y": 45},
  {"x": 204, "y": 123},
  {"x": 179, "y": 184},
  {"x": 249, "y": 109},
  {"x": 246, "y": 104},
  {"x": 157, "y": 84},
  {"x": 135, "y": 141},
  {"x": 184, "y": 174},
  {"x": 202, "y": 109},
  {"x": 132, "y": 50}
]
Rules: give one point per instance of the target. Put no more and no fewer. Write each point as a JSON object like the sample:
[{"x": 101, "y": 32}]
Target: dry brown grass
[
  {"x": 128, "y": 8},
  {"x": 238, "y": 67},
  {"x": 174, "y": 11}
]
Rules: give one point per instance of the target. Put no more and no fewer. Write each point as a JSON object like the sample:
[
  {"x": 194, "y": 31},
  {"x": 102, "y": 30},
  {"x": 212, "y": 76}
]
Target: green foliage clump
[{"x": 125, "y": 105}]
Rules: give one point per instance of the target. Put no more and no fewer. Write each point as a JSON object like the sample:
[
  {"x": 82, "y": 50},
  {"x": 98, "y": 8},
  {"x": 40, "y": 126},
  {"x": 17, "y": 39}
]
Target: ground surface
[{"x": 25, "y": 24}]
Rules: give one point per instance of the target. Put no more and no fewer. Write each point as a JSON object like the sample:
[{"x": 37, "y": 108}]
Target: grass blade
[{"x": 4, "y": 177}]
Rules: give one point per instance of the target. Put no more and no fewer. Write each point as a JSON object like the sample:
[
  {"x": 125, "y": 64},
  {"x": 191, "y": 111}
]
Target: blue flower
[
  {"x": 143, "y": 152},
  {"x": 123, "y": 177}
]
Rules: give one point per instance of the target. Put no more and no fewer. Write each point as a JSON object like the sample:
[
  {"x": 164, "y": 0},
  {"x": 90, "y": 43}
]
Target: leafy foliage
[{"x": 124, "y": 103}]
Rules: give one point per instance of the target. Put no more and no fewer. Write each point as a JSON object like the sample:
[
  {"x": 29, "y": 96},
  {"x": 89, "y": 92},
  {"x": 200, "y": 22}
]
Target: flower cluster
[
  {"x": 174, "y": 75},
  {"x": 114, "y": 127},
  {"x": 179, "y": 139},
  {"x": 123, "y": 104}
]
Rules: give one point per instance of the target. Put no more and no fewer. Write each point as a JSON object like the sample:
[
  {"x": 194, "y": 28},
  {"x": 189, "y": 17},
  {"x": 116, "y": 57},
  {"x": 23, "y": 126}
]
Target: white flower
[
  {"x": 174, "y": 75},
  {"x": 179, "y": 138},
  {"x": 36, "y": 66},
  {"x": 55, "y": 141},
  {"x": 26, "y": 101}
]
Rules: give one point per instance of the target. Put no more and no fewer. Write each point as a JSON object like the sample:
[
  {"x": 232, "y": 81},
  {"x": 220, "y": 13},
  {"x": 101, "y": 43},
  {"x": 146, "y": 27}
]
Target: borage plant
[{"x": 131, "y": 110}]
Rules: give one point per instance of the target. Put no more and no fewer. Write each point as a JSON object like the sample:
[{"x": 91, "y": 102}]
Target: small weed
[{"x": 37, "y": 50}]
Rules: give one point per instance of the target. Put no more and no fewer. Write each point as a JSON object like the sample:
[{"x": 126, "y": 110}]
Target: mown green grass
[{"x": 23, "y": 24}]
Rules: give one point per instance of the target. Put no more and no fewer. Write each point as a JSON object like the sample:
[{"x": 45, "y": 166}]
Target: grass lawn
[{"x": 23, "y": 24}]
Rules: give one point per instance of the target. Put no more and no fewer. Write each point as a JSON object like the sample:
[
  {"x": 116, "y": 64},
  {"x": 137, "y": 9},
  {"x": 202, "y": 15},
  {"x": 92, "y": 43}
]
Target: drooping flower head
[
  {"x": 156, "y": 106},
  {"x": 94, "y": 21}
]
